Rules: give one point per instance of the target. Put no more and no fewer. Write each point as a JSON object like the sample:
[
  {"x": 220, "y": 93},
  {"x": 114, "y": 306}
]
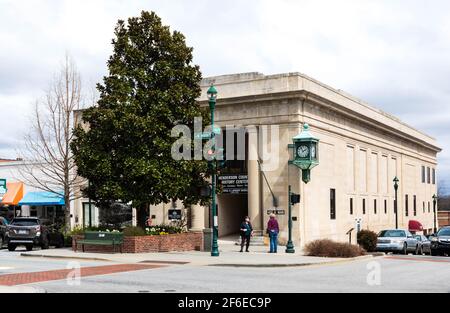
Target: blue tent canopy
[{"x": 38, "y": 198}]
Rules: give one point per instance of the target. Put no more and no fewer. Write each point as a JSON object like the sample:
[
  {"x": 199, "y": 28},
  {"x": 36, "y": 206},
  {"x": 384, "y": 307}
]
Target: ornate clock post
[
  {"x": 306, "y": 153},
  {"x": 306, "y": 157}
]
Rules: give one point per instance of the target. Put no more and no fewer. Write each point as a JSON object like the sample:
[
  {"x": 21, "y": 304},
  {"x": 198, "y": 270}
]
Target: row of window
[
  {"x": 384, "y": 205},
  {"x": 428, "y": 175}
]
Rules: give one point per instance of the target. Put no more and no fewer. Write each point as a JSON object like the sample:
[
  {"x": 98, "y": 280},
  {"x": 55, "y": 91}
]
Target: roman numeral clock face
[{"x": 303, "y": 151}]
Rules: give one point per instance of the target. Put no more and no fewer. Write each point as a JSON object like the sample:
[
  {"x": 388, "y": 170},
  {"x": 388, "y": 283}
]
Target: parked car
[
  {"x": 440, "y": 243},
  {"x": 30, "y": 232},
  {"x": 3, "y": 224},
  {"x": 397, "y": 241},
  {"x": 424, "y": 244}
]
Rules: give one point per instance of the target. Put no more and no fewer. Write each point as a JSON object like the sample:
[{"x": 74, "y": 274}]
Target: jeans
[
  {"x": 273, "y": 242},
  {"x": 245, "y": 241}
]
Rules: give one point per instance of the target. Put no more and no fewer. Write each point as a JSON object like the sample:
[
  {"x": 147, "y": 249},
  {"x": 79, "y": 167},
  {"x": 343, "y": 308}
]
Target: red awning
[{"x": 415, "y": 226}]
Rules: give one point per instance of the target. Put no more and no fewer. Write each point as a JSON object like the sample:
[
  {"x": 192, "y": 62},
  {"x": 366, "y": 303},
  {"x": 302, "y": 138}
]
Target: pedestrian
[
  {"x": 246, "y": 234},
  {"x": 273, "y": 229}
]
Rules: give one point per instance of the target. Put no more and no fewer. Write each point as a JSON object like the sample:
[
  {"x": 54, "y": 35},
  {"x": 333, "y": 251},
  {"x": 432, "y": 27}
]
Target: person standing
[
  {"x": 273, "y": 229},
  {"x": 246, "y": 234}
]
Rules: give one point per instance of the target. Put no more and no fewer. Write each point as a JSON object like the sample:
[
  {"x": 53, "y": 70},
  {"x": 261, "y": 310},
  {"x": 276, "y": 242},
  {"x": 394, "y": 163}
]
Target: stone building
[{"x": 361, "y": 150}]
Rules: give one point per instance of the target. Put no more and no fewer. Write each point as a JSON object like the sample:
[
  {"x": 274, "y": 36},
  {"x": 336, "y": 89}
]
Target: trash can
[{"x": 207, "y": 239}]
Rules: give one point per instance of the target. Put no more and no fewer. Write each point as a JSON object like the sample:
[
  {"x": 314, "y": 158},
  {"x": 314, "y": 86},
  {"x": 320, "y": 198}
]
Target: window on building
[
  {"x": 351, "y": 206},
  {"x": 385, "y": 207},
  {"x": 364, "y": 206},
  {"x": 333, "y": 204},
  {"x": 434, "y": 176},
  {"x": 423, "y": 175},
  {"x": 429, "y": 207},
  {"x": 375, "y": 206},
  {"x": 406, "y": 205},
  {"x": 428, "y": 175},
  {"x": 424, "y": 208},
  {"x": 415, "y": 205}
]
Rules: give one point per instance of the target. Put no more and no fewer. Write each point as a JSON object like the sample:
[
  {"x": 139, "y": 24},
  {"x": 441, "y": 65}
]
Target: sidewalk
[{"x": 229, "y": 256}]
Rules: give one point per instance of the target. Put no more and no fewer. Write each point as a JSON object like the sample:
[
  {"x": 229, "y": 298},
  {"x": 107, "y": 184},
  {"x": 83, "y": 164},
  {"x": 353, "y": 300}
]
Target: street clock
[{"x": 306, "y": 152}]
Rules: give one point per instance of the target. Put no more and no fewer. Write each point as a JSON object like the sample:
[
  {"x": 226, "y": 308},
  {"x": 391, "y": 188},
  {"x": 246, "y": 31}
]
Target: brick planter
[{"x": 192, "y": 241}]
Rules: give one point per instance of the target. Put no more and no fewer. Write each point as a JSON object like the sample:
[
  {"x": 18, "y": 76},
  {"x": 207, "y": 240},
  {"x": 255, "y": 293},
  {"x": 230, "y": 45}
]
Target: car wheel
[
  {"x": 11, "y": 247},
  {"x": 29, "y": 247},
  {"x": 1, "y": 242},
  {"x": 434, "y": 252},
  {"x": 405, "y": 249},
  {"x": 420, "y": 252},
  {"x": 45, "y": 245}
]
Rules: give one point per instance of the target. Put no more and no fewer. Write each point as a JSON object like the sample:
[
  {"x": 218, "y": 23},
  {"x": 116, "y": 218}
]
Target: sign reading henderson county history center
[
  {"x": 234, "y": 184},
  {"x": 3, "y": 188}
]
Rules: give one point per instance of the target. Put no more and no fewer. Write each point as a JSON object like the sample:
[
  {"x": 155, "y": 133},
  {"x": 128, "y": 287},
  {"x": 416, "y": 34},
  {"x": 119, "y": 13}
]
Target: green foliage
[
  {"x": 134, "y": 232},
  {"x": 151, "y": 87},
  {"x": 330, "y": 249},
  {"x": 368, "y": 240}
]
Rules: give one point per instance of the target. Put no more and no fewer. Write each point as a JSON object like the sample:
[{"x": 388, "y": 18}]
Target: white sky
[{"x": 392, "y": 54}]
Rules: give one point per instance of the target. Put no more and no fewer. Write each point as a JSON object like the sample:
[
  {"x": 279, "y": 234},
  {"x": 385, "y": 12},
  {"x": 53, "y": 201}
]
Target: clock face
[{"x": 303, "y": 151}]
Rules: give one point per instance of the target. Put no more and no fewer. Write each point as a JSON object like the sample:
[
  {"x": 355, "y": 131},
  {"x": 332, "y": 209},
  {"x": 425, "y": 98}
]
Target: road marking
[
  {"x": 417, "y": 259},
  {"x": 36, "y": 277},
  {"x": 6, "y": 268}
]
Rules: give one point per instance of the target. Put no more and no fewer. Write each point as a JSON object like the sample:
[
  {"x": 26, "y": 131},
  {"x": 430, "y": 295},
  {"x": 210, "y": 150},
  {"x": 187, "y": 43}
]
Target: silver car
[
  {"x": 397, "y": 241},
  {"x": 425, "y": 245}
]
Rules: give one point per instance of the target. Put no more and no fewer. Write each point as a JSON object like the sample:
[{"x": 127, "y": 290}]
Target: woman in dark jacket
[
  {"x": 246, "y": 233},
  {"x": 273, "y": 229}
]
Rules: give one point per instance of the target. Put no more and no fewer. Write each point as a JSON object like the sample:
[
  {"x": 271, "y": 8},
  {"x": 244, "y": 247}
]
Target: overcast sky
[{"x": 395, "y": 55}]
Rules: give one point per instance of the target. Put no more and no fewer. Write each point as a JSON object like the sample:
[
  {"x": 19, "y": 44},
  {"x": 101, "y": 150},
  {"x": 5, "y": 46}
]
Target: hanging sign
[{"x": 3, "y": 188}]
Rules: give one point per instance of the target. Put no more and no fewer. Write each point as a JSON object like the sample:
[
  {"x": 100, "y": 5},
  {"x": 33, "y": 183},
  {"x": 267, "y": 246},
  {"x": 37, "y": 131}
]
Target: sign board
[
  {"x": 3, "y": 188},
  {"x": 234, "y": 183},
  {"x": 358, "y": 224},
  {"x": 175, "y": 215},
  {"x": 276, "y": 212}
]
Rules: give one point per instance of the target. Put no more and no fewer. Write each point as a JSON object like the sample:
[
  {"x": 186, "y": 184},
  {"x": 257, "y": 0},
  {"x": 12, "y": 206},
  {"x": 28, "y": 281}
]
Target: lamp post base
[{"x": 290, "y": 247}]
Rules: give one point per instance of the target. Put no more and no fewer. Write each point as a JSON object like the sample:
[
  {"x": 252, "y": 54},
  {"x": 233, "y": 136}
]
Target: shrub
[
  {"x": 368, "y": 240},
  {"x": 134, "y": 231},
  {"x": 331, "y": 249}
]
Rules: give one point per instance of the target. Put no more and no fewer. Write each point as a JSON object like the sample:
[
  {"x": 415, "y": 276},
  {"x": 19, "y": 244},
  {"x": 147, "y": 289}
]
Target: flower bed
[{"x": 190, "y": 241}]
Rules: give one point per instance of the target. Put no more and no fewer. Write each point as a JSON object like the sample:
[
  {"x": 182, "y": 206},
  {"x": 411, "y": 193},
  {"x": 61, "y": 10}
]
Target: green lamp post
[
  {"x": 212, "y": 97},
  {"x": 306, "y": 157},
  {"x": 396, "y": 181},
  {"x": 435, "y": 199}
]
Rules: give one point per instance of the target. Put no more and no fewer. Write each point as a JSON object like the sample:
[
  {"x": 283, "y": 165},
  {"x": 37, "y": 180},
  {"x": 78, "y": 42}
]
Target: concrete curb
[
  {"x": 366, "y": 257},
  {"x": 29, "y": 255}
]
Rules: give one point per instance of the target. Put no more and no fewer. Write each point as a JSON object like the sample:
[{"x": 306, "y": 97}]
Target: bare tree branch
[{"x": 48, "y": 161}]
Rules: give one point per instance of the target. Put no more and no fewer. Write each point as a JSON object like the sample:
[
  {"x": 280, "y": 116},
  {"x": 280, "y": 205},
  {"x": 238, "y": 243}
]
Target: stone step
[{"x": 255, "y": 241}]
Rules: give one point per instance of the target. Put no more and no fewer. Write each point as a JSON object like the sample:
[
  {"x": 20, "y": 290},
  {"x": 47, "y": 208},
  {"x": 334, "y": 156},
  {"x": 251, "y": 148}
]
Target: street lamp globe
[{"x": 396, "y": 181}]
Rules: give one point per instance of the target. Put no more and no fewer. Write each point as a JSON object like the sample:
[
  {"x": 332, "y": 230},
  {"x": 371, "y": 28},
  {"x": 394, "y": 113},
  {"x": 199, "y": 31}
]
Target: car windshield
[
  {"x": 444, "y": 232},
  {"x": 25, "y": 222},
  {"x": 392, "y": 233}
]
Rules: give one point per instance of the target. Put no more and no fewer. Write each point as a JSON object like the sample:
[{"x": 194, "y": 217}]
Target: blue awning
[{"x": 38, "y": 198}]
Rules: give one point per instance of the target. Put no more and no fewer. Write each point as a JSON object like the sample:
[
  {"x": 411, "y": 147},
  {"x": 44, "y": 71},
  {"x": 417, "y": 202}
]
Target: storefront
[
  {"x": 11, "y": 193},
  {"x": 45, "y": 205}
]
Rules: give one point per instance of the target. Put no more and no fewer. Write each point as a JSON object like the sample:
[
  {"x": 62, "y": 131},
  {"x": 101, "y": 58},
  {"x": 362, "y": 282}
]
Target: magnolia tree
[{"x": 125, "y": 152}]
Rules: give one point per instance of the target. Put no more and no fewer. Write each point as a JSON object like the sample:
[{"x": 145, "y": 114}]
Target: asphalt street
[{"x": 382, "y": 274}]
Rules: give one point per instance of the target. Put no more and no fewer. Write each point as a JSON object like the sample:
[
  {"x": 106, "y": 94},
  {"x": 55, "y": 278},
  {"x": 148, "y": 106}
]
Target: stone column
[
  {"x": 254, "y": 209},
  {"x": 197, "y": 218}
]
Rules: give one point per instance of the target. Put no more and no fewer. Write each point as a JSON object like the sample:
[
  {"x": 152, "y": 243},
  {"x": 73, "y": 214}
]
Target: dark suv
[
  {"x": 3, "y": 224},
  {"x": 30, "y": 232},
  {"x": 440, "y": 243}
]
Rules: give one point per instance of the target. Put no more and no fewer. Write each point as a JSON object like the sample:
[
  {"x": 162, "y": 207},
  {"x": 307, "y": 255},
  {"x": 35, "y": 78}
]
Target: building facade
[{"x": 361, "y": 150}]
